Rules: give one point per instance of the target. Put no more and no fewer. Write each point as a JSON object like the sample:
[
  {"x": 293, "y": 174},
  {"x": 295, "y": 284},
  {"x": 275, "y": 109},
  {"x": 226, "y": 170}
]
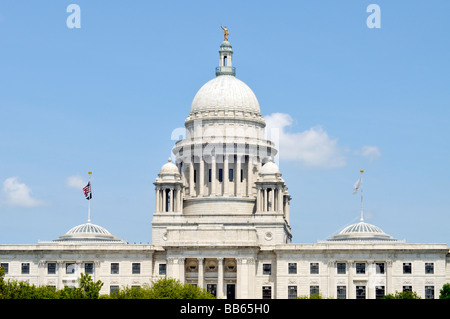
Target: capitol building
[{"x": 221, "y": 222}]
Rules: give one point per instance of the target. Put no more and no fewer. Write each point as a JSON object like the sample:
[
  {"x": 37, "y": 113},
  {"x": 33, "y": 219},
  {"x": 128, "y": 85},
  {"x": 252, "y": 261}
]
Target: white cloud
[
  {"x": 19, "y": 194},
  {"x": 371, "y": 152},
  {"x": 76, "y": 181},
  {"x": 312, "y": 148}
]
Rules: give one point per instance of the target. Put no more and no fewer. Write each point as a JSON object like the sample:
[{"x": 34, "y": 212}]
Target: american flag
[{"x": 87, "y": 191}]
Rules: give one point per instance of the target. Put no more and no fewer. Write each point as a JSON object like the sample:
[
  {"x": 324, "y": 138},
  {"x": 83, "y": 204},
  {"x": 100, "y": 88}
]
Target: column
[
  {"x": 287, "y": 208},
  {"x": 180, "y": 199},
  {"x": 272, "y": 199},
  {"x": 389, "y": 289},
  {"x": 213, "y": 176},
  {"x": 182, "y": 269},
  {"x": 200, "y": 272},
  {"x": 96, "y": 270},
  {"x": 157, "y": 199},
  {"x": 60, "y": 274},
  {"x": 220, "y": 292},
  {"x": 201, "y": 177},
  {"x": 280, "y": 201},
  {"x": 331, "y": 273},
  {"x": 370, "y": 287},
  {"x": 265, "y": 199},
  {"x": 172, "y": 202},
  {"x": 351, "y": 293},
  {"x": 238, "y": 176},
  {"x": 42, "y": 264},
  {"x": 164, "y": 205},
  {"x": 225, "y": 175},
  {"x": 191, "y": 178},
  {"x": 249, "y": 177},
  {"x": 258, "y": 199}
]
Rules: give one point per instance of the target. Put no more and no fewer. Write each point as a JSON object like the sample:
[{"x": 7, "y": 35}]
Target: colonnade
[
  {"x": 219, "y": 175},
  {"x": 169, "y": 198}
]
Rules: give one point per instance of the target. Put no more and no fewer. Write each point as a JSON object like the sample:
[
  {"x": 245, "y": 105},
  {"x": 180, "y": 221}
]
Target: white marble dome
[{"x": 225, "y": 93}]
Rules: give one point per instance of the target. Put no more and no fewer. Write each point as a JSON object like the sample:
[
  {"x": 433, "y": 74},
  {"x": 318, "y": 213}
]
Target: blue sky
[{"x": 106, "y": 97}]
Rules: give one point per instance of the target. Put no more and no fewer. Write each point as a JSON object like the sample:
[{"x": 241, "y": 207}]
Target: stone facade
[{"x": 221, "y": 222}]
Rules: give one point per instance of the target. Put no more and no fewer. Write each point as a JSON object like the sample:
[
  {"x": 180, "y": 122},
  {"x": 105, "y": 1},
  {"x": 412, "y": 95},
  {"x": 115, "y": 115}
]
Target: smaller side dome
[
  {"x": 362, "y": 231},
  {"x": 270, "y": 168},
  {"x": 169, "y": 168},
  {"x": 88, "y": 232}
]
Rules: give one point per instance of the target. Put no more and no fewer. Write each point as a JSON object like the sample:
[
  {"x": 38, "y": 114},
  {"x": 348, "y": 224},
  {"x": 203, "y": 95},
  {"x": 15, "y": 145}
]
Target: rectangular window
[
  {"x": 341, "y": 292},
  {"x": 313, "y": 291},
  {"x": 209, "y": 175},
  {"x": 25, "y": 268},
  {"x": 195, "y": 176},
  {"x": 407, "y": 268},
  {"x": 407, "y": 288},
  {"x": 267, "y": 269},
  {"x": 212, "y": 289},
  {"x": 292, "y": 267},
  {"x": 89, "y": 268},
  {"x": 114, "y": 268},
  {"x": 136, "y": 268},
  {"x": 429, "y": 268},
  {"x": 51, "y": 268},
  {"x": 292, "y": 292},
  {"x": 360, "y": 268},
  {"x": 341, "y": 268},
  {"x": 379, "y": 268},
  {"x": 360, "y": 292},
  {"x": 379, "y": 292},
  {"x": 162, "y": 269},
  {"x": 266, "y": 292},
  {"x": 314, "y": 268},
  {"x": 429, "y": 292},
  {"x": 242, "y": 175},
  {"x": 5, "y": 267},
  {"x": 220, "y": 175},
  {"x": 70, "y": 268},
  {"x": 230, "y": 174},
  {"x": 113, "y": 289}
]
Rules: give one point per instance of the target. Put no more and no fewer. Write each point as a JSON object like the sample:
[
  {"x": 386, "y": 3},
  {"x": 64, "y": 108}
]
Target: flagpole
[
  {"x": 90, "y": 191},
  {"x": 362, "y": 219}
]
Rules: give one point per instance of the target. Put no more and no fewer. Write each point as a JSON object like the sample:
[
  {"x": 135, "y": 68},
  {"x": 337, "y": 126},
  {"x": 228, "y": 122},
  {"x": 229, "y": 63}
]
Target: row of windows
[
  {"x": 88, "y": 268},
  {"x": 220, "y": 175},
  {"x": 341, "y": 292},
  {"x": 341, "y": 268}
]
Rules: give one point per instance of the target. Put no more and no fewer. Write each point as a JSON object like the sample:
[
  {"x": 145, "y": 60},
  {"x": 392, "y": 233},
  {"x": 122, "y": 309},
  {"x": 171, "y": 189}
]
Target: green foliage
[
  {"x": 14, "y": 289},
  {"x": 314, "y": 296},
  {"x": 164, "y": 288},
  {"x": 444, "y": 293},
  {"x": 403, "y": 295}
]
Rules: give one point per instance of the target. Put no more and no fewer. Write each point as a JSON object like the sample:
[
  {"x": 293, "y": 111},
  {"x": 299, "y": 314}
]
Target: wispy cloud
[
  {"x": 76, "y": 181},
  {"x": 369, "y": 151},
  {"x": 312, "y": 148},
  {"x": 19, "y": 194}
]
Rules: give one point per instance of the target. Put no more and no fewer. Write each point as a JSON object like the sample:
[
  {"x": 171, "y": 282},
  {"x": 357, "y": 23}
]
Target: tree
[
  {"x": 403, "y": 295},
  {"x": 164, "y": 288},
  {"x": 444, "y": 293},
  {"x": 14, "y": 289}
]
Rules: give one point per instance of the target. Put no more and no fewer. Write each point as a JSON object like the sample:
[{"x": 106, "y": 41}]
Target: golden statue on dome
[{"x": 225, "y": 33}]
